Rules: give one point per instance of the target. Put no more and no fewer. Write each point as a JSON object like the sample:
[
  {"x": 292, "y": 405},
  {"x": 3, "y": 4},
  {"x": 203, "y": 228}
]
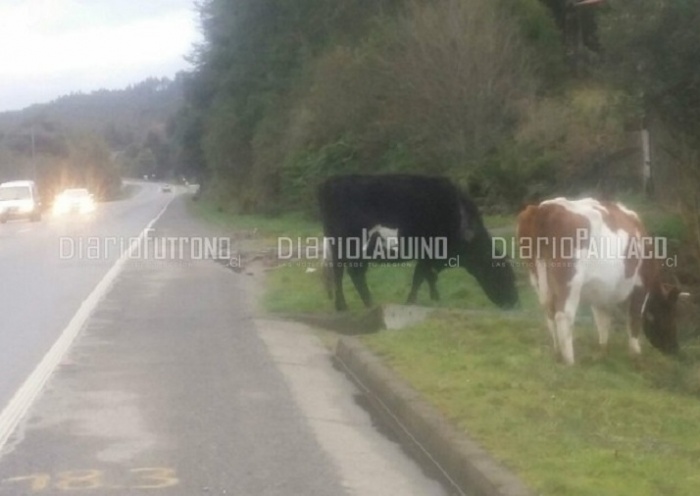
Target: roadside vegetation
[
  {"x": 269, "y": 227},
  {"x": 120, "y": 133},
  {"x": 515, "y": 101},
  {"x": 57, "y": 157},
  {"x": 610, "y": 425},
  {"x": 613, "y": 424}
]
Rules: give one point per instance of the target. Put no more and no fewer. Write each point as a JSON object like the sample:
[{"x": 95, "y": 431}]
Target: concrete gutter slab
[{"x": 461, "y": 461}]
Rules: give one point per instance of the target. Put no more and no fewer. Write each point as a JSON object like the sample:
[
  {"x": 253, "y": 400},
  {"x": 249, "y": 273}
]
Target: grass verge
[
  {"x": 611, "y": 425},
  {"x": 293, "y": 225}
]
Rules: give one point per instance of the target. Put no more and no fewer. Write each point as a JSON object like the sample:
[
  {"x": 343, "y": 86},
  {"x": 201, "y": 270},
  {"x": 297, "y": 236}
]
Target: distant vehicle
[
  {"x": 74, "y": 201},
  {"x": 19, "y": 200},
  {"x": 166, "y": 188}
]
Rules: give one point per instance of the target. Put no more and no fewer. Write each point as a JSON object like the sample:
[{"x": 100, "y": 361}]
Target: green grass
[
  {"x": 610, "y": 425},
  {"x": 293, "y": 224},
  {"x": 499, "y": 221},
  {"x": 292, "y": 289}
]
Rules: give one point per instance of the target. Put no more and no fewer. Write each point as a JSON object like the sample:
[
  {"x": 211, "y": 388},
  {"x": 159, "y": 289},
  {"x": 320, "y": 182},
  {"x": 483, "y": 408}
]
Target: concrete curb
[
  {"x": 344, "y": 323},
  {"x": 458, "y": 459}
]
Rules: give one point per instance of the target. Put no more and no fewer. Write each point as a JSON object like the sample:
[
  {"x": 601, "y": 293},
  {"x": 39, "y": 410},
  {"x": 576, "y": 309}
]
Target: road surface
[{"x": 173, "y": 385}]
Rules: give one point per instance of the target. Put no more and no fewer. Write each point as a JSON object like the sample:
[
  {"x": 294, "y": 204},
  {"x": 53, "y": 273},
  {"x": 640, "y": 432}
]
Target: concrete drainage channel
[
  {"x": 447, "y": 451},
  {"x": 459, "y": 460}
]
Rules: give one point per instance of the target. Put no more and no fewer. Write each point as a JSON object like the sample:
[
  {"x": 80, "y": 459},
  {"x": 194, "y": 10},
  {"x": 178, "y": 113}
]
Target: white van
[{"x": 19, "y": 200}]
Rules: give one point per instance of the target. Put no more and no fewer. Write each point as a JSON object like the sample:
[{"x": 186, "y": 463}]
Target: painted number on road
[
  {"x": 155, "y": 478},
  {"x": 87, "y": 480}
]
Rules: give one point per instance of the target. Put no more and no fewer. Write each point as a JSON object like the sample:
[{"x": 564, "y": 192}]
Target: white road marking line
[{"x": 33, "y": 385}]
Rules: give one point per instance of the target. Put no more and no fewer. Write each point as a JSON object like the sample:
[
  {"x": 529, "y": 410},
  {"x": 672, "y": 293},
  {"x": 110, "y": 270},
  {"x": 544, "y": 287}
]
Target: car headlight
[
  {"x": 60, "y": 206},
  {"x": 87, "y": 206},
  {"x": 26, "y": 207}
]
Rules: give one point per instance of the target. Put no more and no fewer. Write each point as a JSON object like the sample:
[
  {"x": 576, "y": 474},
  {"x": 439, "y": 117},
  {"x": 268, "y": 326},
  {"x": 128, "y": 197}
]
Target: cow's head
[
  {"x": 494, "y": 273},
  {"x": 659, "y": 318}
]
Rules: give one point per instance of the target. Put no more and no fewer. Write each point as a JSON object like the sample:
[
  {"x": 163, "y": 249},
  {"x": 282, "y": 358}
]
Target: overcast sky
[{"x": 49, "y": 48}]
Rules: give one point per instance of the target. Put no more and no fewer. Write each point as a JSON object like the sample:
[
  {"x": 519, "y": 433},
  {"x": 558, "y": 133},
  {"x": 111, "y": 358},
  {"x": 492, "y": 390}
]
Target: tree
[
  {"x": 651, "y": 48},
  {"x": 652, "y": 51}
]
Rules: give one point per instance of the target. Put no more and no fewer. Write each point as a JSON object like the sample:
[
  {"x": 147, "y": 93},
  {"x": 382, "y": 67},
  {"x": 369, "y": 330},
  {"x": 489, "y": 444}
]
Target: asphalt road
[
  {"x": 173, "y": 386},
  {"x": 48, "y": 268}
]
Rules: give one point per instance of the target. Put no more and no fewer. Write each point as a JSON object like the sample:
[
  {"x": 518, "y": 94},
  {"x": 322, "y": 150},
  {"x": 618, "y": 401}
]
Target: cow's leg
[
  {"x": 431, "y": 274},
  {"x": 550, "y": 311},
  {"x": 419, "y": 273},
  {"x": 564, "y": 319},
  {"x": 340, "y": 303},
  {"x": 538, "y": 280},
  {"x": 603, "y": 322},
  {"x": 552, "y": 326},
  {"x": 634, "y": 321},
  {"x": 336, "y": 268},
  {"x": 565, "y": 336},
  {"x": 633, "y": 333},
  {"x": 357, "y": 274}
]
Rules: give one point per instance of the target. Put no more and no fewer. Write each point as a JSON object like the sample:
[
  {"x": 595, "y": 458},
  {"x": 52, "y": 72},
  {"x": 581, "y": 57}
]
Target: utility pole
[{"x": 647, "y": 184}]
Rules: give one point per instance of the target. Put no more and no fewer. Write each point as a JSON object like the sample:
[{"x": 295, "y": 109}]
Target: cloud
[{"x": 52, "y": 47}]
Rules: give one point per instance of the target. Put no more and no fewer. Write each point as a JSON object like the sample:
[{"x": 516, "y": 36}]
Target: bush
[
  {"x": 303, "y": 172},
  {"x": 515, "y": 174}
]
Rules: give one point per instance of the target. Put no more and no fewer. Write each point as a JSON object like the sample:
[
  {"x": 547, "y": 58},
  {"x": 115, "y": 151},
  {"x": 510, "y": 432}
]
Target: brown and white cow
[{"x": 597, "y": 253}]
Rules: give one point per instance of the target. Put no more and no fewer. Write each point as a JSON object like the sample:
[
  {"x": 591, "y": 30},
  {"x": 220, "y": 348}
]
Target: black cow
[{"x": 417, "y": 208}]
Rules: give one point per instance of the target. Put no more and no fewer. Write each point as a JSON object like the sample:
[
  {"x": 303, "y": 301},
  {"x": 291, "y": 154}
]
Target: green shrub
[{"x": 303, "y": 171}]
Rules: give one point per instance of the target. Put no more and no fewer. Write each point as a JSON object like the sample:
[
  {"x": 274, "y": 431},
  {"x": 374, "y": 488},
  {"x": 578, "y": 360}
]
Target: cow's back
[
  {"x": 588, "y": 240},
  {"x": 415, "y": 205}
]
